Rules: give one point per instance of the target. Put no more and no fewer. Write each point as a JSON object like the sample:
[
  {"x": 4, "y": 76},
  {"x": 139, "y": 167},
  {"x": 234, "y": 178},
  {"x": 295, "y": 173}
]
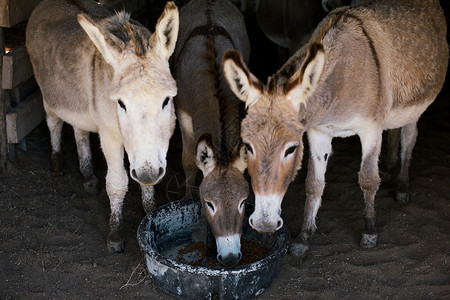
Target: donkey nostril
[
  {"x": 133, "y": 174},
  {"x": 161, "y": 172},
  {"x": 279, "y": 224},
  {"x": 239, "y": 256},
  {"x": 250, "y": 221},
  {"x": 219, "y": 258}
]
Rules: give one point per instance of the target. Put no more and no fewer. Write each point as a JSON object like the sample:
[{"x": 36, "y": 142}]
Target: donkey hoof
[
  {"x": 402, "y": 197},
  {"x": 298, "y": 249},
  {"x": 368, "y": 240},
  {"x": 56, "y": 164},
  {"x": 115, "y": 247},
  {"x": 91, "y": 185}
]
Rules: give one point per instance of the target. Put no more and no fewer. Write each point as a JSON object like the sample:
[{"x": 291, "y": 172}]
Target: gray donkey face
[
  {"x": 142, "y": 87},
  {"x": 223, "y": 192}
]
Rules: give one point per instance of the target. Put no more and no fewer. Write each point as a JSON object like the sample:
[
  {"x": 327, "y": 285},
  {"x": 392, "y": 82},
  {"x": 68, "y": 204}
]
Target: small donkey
[
  {"x": 110, "y": 75},
  {"x": 208, "y": 114},
  {"x": 367, "y": 68}
]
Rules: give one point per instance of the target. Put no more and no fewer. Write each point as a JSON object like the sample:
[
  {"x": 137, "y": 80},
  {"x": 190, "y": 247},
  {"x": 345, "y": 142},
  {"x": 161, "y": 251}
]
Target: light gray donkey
[
  {"x": 107, "y": 74},
  {"x": 208, "y": 114},
  {"x": 374, "y": 66}
]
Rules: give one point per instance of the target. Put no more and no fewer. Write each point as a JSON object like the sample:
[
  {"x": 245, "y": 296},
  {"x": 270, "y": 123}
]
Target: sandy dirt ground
[{"x": 53, "y": 235}]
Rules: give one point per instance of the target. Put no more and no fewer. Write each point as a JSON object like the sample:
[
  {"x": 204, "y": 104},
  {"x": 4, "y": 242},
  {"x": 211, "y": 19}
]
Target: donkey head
[
  {"x": 272, "y": 130},
  {"x": 223, "y": 192},
  {"x": 140, "y": 84}
]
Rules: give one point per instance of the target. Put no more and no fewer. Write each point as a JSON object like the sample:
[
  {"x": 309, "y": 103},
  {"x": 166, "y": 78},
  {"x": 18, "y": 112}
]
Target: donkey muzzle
[
  {"x": 229, "y": 250},
  {"x": 148, "y": 176},
  {"x": 266, "y": 226},
  {"x": 266, "y": 217}
]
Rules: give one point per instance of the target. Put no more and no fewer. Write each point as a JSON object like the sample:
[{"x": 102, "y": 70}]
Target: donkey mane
[
  {"x": 131, "y": 33},
  {"x": 296, "y": 60},
  {"x": 225, "y": 153}
]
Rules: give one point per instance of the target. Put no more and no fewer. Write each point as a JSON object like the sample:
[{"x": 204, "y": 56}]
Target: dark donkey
[
  {"x": 208, "y": 114},
  {"x": 367, "y": 68}
]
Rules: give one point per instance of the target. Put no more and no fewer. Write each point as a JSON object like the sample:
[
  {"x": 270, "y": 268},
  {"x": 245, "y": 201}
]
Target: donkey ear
[
  {"x": 100, "y": 37},
  {"x": 241, "y": 161},
  {"x": 305, "y": 81},
  {"x": 244, "y": 85},
  {"x": 164, "y": 38},
  {"x": 205, "y": 154}
]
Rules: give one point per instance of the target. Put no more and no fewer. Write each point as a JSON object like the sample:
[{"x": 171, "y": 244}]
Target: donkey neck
[
  {"x": 205, "y": 96},
  {"x": 203, "y": 91}
]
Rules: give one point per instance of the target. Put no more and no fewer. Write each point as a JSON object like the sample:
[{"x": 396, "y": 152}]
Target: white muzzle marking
[
  {"x": 266, "y": 217},
  {"x": 229, "y": 249}
]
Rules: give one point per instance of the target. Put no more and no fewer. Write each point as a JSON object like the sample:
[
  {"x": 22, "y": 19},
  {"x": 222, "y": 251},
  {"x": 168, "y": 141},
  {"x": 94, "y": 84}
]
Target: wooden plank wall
[
  {"x": 13, "y": 12},
  {"x": 20, "y": 110},
  {"x": 3, "y": 143}
]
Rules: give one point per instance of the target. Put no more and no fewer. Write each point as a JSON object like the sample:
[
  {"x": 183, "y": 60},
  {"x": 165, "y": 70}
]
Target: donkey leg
[
  {"x": 188, "y": 155},
  {"x": 85, "y": 160},
  {"x": 408, "y": 140},
  {"x": 116, "y": 188},
  {"x": 392, "y": 153},
  {"x": 369, "y": 181},
  {"x": 55, "y": 125},
  {"x": 320, "y": 151},
  {"x": 148, "y": 198}
]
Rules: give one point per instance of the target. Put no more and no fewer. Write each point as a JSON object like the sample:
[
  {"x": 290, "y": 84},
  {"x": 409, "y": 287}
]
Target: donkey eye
[
  {"x": 249, "y": 148},
  {"x": 121, "y": 105},
  {"x": 290, "y": 150},
  {"x": 241, "y": 206},
  {"x": 210, "y": 206},
  {"x": 166, "y": 101}
]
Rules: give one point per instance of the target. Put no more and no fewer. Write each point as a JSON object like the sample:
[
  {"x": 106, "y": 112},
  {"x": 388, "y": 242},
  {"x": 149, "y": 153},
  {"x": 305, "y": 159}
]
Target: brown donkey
[
  {"x": 367, "y": 68},
  {"x": 208, "y": 114}
]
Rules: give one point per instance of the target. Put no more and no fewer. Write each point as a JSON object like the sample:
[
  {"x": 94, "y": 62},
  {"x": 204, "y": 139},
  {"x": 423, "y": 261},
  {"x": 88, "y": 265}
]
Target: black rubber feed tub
[{"x": 172, "y": 225}]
